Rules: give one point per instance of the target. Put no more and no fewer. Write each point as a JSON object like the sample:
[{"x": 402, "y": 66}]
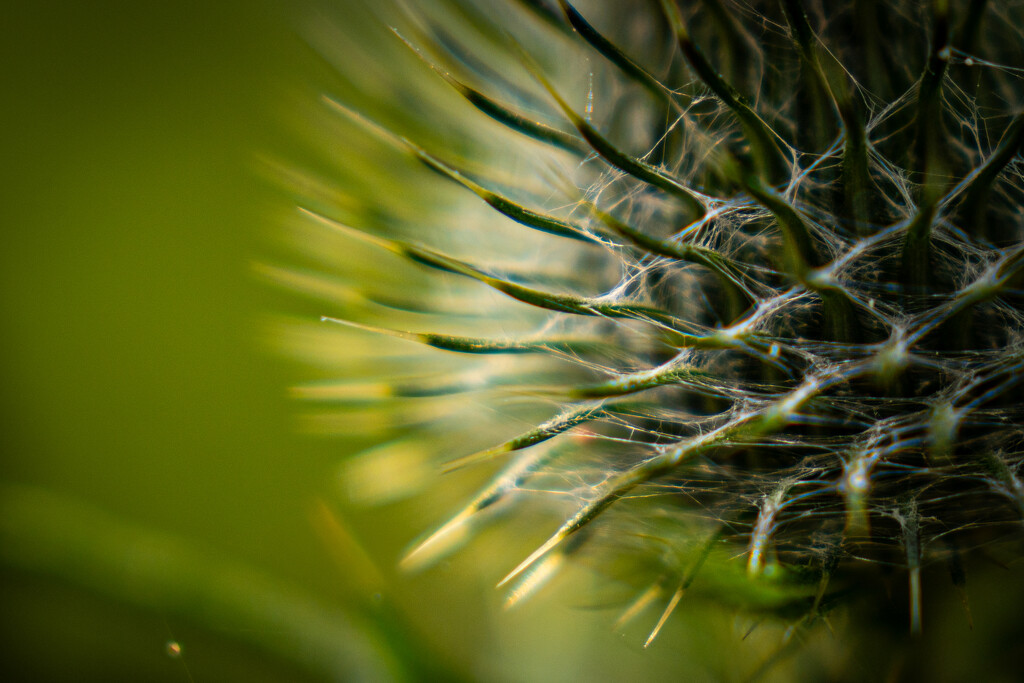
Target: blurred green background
[{"x": 140, "y": 408}]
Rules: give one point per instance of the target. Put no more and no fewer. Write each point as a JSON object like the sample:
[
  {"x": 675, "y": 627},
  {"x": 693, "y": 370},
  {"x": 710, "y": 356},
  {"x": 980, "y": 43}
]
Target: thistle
[{"x": 753, "y": 278}]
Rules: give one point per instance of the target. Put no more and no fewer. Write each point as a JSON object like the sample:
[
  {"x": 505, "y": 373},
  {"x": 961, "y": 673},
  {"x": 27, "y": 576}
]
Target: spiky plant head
[{"x": 733, "y": 287}]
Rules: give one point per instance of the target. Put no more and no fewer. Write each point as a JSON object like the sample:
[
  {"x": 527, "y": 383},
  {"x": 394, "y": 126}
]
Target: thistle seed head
[{"x": 734, "y": 288}]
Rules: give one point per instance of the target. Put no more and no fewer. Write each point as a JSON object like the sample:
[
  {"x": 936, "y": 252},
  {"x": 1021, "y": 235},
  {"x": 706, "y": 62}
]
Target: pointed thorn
[
  {"x": 665, "y": 615},
  {"x": 534, "y": 556},
  {"x": 439, "y": 543}
]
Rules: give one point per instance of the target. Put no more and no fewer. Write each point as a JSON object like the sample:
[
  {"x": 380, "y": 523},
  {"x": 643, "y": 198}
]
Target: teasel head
[{"x": 733, "y": 288}]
